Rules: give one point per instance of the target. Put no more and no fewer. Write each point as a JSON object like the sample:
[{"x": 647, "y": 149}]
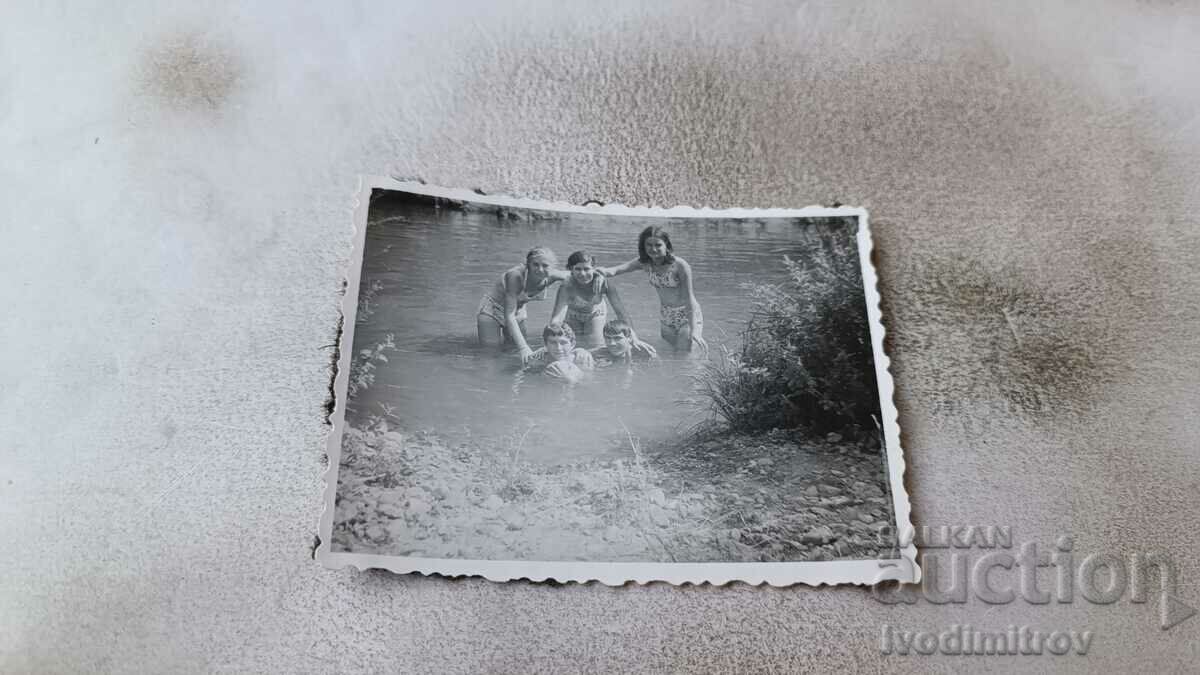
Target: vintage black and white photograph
[{"x": 530, "y": 389}]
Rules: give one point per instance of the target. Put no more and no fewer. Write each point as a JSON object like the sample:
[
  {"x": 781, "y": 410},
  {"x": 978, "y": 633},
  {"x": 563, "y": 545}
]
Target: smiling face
[
  {"x": 656, "y": 248},
  {"x": 617, "y": 345},
  {"x": 539, "y": 267},
  {"x": 559, "y": 347},
  {"x": 583, "y": 272}
]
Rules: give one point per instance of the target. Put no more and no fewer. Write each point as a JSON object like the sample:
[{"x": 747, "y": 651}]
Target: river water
[{"x": 432, "y": 265}]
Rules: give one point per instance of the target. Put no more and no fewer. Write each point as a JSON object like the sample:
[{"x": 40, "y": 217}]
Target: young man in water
[
  {"x": 560, "y": 358},
  {"x": 622, "y": 346}
]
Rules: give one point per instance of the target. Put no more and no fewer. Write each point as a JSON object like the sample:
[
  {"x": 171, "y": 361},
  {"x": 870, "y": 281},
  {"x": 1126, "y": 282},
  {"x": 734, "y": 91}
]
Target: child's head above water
[
  {"x": 540, "y": 260},
  {"x": 559, "y": 339},
  {"x": 618, "y": 337},
  {"x": 582, "y": 266},
  {"x": 654, "y": 245}
]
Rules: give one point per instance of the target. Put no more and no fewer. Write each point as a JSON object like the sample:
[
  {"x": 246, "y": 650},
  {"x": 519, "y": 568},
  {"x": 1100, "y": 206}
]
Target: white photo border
[{"x": 903, "y": 568}]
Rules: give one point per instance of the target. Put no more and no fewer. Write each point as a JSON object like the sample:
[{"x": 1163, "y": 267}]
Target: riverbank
[{"x": 725, "y": 497}]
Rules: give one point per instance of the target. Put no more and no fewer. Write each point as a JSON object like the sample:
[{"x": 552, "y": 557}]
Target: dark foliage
[{"x": 806, "y": 359}]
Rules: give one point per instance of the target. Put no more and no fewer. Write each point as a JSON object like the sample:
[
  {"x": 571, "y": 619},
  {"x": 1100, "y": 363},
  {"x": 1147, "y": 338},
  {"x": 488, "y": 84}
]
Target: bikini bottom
[{"x": 676, "y": 318}]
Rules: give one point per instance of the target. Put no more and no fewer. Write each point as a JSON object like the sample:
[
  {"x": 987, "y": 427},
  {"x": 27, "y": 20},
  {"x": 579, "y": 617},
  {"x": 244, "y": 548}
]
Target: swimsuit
[
  {"x": 666, "y": 278},
  {"x": 581, "y": 311},
  {"x": 675, "y": 318},
  {"x": 492, "y": 308}
]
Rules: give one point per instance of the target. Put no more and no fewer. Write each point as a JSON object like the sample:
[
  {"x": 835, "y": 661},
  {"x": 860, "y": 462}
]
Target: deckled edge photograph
[{"x": 900, "y": 565}]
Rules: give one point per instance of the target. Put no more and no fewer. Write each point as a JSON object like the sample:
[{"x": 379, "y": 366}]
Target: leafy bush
[{"x": 806, "y": 358}]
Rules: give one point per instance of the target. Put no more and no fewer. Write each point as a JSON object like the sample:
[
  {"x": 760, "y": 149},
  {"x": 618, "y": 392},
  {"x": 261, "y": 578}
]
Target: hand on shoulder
[{"x": 584, "y": 359}]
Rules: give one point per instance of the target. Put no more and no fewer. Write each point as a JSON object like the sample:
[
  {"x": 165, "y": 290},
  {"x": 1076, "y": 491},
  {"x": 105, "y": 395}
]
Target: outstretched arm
[
  {"x": 695, "y": 327},
  {"x": 560, "y": 305},
  {"x": 614, "y": 299},
  {"x": 620, "y": 269}
]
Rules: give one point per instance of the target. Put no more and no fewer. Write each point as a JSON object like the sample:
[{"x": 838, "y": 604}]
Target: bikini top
[
  {"x": 664, "y": 278},
  {"x": 577, "y": 301}
]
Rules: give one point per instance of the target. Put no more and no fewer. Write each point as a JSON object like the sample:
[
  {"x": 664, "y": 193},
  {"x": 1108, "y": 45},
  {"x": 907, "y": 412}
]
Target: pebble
[
  {"x": 493, "y": 503},
  {"x": 390, "y": 509},
  {"x": 418, "y": 507},
  {"x": 817, "y": 535},
  {"x": 827, "y": 490},
  {"x": 870, "y": 490}
]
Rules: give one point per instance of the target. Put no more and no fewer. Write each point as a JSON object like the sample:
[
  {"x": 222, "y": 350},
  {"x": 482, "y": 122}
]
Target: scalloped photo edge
[{"x": 902, "y": 568}]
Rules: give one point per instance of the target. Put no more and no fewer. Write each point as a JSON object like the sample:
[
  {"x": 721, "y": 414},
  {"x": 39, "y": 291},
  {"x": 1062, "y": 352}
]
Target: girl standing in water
[
  {"x": 501, "y": 314},
  {"x": 580, "y": 300},
  {"x": 680, "y": 319}
]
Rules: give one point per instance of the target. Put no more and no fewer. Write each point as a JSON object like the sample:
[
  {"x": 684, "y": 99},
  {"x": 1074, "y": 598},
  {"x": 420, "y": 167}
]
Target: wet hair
[
  {"x": 657, "y": 233},
  {"x": 580, "y": 256},
  {"x": 557, "y": 330},
  {"x": 618, "y": 328},
  {"x": 541, "y": 252}
]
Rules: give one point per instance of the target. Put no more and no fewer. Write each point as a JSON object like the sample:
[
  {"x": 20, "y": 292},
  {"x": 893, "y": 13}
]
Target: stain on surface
[
  {"x": 989, "y": 336},
  {"x": 192, "y": 71}
]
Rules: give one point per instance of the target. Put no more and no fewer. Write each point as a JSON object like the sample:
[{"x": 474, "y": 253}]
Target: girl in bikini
[
  {"x": 580, "y": 300},
  {"x": 680, "y": 319},
  {"x": 501, "y": 314}
]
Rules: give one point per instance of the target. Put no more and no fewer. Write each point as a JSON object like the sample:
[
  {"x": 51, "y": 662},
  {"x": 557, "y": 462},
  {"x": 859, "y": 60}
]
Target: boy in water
[
  {"x": 622, "y": 346},
  {"x": 560, "y": 358}
]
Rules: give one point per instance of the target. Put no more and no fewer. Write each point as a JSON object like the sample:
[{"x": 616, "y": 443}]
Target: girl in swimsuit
[
  {"x": 580, "y": 300},
  {"x": 501, "y": 314},
  {"x": 680, "y": 319}
]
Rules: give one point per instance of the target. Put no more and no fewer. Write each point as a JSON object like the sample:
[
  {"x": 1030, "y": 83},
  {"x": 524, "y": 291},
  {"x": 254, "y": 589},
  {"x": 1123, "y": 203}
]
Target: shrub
[{"x": 806, "y": 358}]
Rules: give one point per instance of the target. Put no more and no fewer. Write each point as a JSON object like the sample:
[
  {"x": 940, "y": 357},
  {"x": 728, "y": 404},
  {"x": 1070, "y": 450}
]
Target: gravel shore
[{"x": 725, "y": 497}]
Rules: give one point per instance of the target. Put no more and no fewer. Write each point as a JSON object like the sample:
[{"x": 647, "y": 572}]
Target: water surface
[{"x": 432, "y": 265}]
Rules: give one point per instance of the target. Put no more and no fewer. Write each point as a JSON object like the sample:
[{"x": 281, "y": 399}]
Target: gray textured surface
[{"x": 175, "y": 192}]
